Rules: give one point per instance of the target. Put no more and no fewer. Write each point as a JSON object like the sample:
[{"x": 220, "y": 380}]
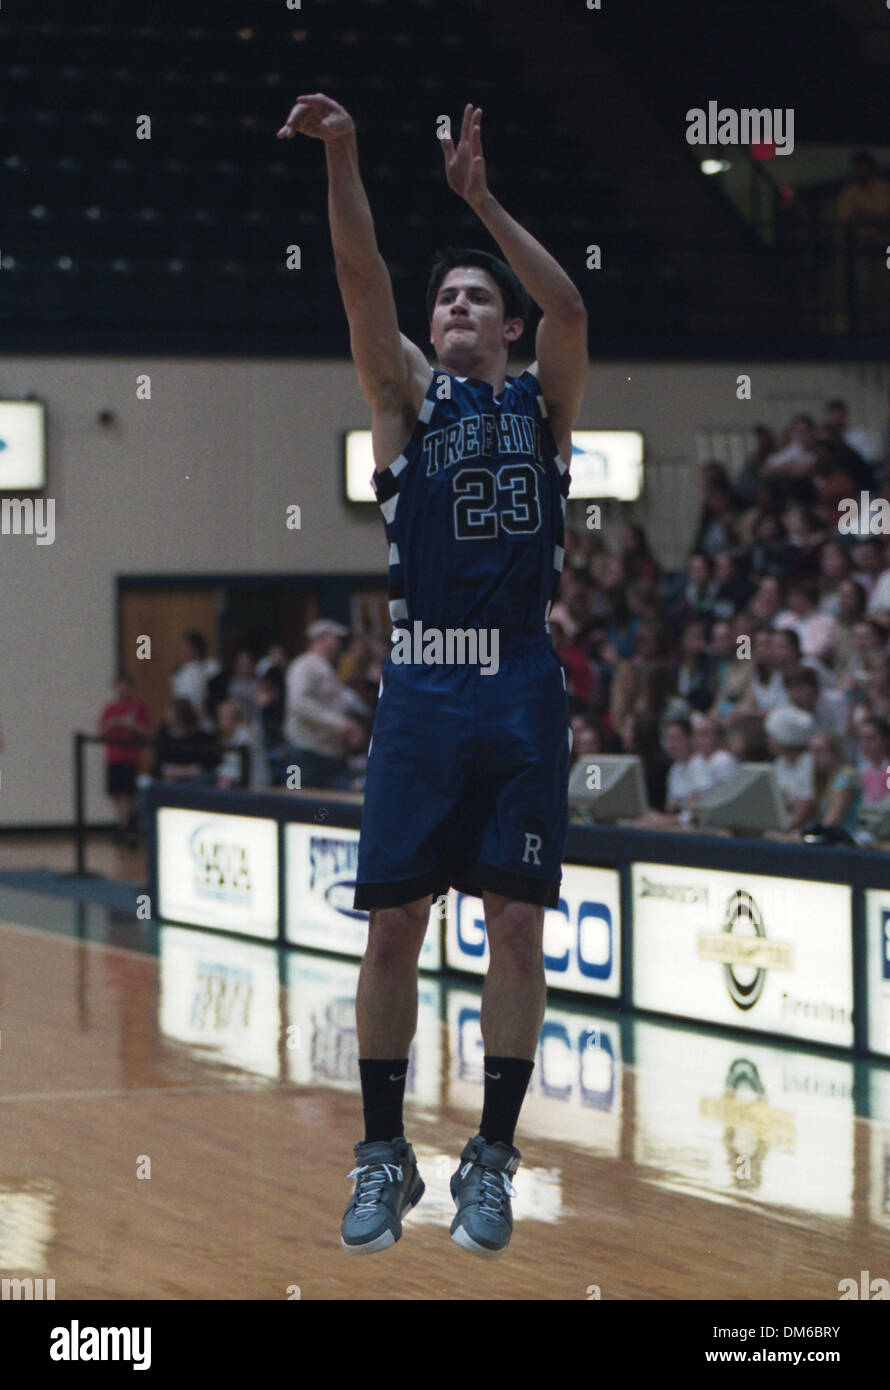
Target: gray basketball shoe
[
  {"x": 387, "y": 1185},
  {"x": 482, "y": 1189}
]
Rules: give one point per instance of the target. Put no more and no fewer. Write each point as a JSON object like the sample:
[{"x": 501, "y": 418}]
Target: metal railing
[{"x": 80, "y": 740}]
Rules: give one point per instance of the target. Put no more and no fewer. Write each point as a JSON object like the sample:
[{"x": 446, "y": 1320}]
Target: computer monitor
[
  {"x": 607, "y": 787},
  {"x": 747, "y": 802}
]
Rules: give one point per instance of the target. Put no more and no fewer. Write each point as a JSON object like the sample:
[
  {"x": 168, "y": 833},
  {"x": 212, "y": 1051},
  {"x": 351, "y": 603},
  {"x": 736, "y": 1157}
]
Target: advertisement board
[
  {"x": 582, "y": 937},
  {"x": 218, "y": 871},
  {"x": 877, "y": 935},
  {"x": 751, "y": 951},
  {"x": 320, "y": 864}
]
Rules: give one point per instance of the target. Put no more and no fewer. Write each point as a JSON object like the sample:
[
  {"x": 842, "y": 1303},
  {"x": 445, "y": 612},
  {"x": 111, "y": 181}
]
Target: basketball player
[{"x": 468, "y": 768}]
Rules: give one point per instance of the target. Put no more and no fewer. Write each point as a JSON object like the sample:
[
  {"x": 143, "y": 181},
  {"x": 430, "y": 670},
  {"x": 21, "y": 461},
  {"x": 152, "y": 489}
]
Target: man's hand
[
  {"x": 465, "y": 166},
  {"x": 319, "y": 116}
]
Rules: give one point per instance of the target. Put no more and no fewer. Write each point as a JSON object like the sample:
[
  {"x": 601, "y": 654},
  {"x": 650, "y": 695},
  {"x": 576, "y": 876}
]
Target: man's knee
[
  {"x": 515, "y": 933},
  {"x": 395, "y": 934}
]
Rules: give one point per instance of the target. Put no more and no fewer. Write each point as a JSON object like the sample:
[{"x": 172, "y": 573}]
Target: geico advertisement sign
[
  {"x": 877, "y": 924},
  {"x": 582, "y": 937},
  {"x": 320, "y": 864},
  {"x": 574, "y": 1094},
  {"x": 218, "y": 871},
  {"x": 770, "y": 954},
  {"x": 220, "y": 996},
  {"x": 321, "y": 1039},
  {"x": 744, "y": 1120}
]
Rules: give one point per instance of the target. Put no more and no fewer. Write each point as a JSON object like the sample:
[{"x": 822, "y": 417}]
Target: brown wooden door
[{"x": 164, "y": 615}]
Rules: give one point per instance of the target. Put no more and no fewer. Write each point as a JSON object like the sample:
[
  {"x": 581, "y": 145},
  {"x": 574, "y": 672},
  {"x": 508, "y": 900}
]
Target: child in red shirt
[{"x": 125, "y": 715}]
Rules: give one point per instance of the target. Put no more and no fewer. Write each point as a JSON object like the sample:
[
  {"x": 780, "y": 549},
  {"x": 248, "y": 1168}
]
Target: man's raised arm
[
  {"x": 376, "y": 344},
  {"x": 561, "y": 340}
]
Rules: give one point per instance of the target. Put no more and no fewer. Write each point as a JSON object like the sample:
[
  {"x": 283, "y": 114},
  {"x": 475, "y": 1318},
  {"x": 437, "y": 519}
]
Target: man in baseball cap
[
  {"x": 321, "y": 713},
  {"x": 325, "y": 626},
  {"x": 789, "y": 731}
]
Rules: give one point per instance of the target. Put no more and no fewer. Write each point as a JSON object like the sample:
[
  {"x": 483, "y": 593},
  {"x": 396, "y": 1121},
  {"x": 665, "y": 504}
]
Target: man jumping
[{"x": 467, "y": 778}]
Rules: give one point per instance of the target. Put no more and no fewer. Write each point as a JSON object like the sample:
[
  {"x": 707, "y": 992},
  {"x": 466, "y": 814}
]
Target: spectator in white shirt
[
  {"x": 190, "y": 679},
  {"x": 321, "y": 719},
  {"x": 788, "y": 732},
  {"x": 815, "y": 629},
  {"x": 710, "y": 764},
  {"x": 828, "y": 707},
  {"x": 878, "y": 605},
  {"x": 868, "y": 555},
  {"x": 235, "y": 732},
  {"x": 677, "y": 742},
  {"x": 797, "y": 457},
  {"x": 767, "y": 688},
  {"x": 867, "y": 443}
]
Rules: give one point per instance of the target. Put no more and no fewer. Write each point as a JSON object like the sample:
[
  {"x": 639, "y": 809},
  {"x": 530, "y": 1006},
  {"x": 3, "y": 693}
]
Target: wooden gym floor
[{"x": 179, "y": 1125}]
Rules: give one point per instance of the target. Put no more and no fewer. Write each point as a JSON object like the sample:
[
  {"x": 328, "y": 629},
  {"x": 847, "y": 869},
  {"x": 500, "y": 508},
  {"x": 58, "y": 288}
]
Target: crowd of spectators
[
  {"x": 770, "y": 645},
  {"x": 301, "y": 723}
]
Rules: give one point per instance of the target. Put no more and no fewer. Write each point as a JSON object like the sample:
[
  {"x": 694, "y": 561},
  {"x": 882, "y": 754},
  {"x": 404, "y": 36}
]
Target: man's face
[
  {"x": 836, "y": 419},
  {"x": 698, "y": 571},
  {"x": 804, "y": 696},
  {"x": 468, "y": 328},
  {"x": 676, "y": 742},
  {"x": 783, "y": 651}
]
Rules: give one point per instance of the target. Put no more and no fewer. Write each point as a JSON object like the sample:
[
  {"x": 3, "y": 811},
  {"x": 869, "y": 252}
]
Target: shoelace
[
  {"x": 495, "y": 1187},
  {"x": 371, "y": 1179}
]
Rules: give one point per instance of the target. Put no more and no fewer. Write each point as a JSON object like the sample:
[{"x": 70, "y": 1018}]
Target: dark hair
[
  {"x": 880, "y": 726},
  {"x": 646, "y": 742},
  {"x": 199, "y": 642},
  {"x": 836, "y": 403},
  {"x": 715, "y": 474},
  {"x": 864, "y": 157},
  {"x": 808, "y": 587},
  {"x": 184, "y": 713},
  {"x": 517, "y": 304},
  {"x": 861, "y": 597},
  {"x": 680, "y": 721},
  {"x": 804, "y": 675},
  {"x": 790, "y": 634},
  {"x": 700, "y": 555}
]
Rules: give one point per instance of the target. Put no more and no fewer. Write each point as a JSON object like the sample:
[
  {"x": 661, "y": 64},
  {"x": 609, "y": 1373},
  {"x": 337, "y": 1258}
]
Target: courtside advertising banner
[
  {"x": 751, "y": 951},
  {"x": 218, "y": 871},
  {"x": 582, "y": 937},
  {"x": 320, "y": 864},
  {"x": 877, "y": 928}
]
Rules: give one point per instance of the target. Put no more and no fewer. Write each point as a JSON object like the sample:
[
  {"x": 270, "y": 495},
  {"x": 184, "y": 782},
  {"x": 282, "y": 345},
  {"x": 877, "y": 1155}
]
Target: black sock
[
  {"x": 383, "y": 1091},
  {"x": 506, "y": 1082}
]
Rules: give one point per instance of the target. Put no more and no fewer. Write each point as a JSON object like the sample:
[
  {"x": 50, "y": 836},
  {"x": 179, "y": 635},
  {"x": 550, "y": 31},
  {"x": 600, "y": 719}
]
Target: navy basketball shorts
[{"x": 467, "y": 781}]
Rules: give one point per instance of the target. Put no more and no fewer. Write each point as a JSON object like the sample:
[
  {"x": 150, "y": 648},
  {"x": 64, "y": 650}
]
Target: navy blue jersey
[{"x": 474, "y": 511}]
